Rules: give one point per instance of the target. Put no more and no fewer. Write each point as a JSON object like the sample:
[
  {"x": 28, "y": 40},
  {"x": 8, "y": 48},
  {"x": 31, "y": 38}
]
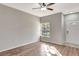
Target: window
[{"x": 45, "y": 28}]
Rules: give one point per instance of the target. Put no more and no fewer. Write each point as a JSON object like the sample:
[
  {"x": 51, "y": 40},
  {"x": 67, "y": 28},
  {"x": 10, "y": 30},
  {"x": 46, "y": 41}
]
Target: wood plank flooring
[{"x": 42, "y": 49}]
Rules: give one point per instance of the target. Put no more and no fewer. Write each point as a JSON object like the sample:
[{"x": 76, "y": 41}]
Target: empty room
[{"x": 39, "y": 29}]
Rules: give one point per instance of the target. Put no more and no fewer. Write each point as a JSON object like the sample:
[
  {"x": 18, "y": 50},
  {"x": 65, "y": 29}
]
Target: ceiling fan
[{"x": 45, "y": 6}]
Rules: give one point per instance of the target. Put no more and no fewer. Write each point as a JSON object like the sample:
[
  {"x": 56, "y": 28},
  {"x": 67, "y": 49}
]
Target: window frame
[{"x": 43, "y": 31}]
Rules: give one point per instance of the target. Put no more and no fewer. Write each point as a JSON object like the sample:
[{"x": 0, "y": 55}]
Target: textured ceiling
[{"x": 65, "y": 8}]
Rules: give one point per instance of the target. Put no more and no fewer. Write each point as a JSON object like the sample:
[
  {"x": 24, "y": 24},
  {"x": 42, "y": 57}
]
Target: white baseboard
[
  {"x": 71, "y": 44},
  {"x": 65, "y": 43},
  {"x": 17, "y": 46}
]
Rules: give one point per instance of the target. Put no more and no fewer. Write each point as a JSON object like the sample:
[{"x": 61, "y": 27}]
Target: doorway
[{"x": 72, "y": 32}]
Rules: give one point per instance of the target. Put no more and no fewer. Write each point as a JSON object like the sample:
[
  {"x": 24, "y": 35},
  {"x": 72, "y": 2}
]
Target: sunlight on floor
[{"x": 49, "y": 50}]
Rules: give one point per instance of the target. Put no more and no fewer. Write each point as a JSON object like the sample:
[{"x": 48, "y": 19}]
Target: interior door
[{"x": 72, "y": 32}]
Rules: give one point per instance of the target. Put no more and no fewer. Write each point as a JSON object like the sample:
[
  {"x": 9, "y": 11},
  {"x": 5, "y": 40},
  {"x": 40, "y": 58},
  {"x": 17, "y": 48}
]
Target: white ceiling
[{"x": 65, "y": 8}]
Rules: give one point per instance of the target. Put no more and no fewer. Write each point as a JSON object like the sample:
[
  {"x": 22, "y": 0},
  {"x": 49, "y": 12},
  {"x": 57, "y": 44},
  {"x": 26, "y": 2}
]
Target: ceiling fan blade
[
  {"x": 50, "y": 4},
  {"x": 37, "y": 8},
  {"x": 50, "y": 9}
]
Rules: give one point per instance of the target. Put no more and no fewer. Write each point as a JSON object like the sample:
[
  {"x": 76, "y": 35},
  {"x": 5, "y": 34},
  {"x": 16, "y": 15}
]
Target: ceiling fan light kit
[{"x": 45, "y": 6}]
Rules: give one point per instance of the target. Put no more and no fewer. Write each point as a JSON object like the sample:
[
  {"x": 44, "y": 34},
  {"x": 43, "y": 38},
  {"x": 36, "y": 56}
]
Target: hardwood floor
[{"x": 42, "y": 49}]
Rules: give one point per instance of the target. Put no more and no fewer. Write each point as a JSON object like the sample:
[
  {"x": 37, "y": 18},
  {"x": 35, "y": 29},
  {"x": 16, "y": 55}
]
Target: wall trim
[
  {"x": 18, "y": 46},
  {"x": 71, "y": 45}
]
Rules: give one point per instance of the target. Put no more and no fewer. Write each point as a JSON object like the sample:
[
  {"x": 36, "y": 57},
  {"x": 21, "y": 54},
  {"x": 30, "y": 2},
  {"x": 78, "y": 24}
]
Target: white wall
[
  {"x": 73, "y": 35},
  {"x": 17, "y": 28},
  {"x": 56, "y": 28}
]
